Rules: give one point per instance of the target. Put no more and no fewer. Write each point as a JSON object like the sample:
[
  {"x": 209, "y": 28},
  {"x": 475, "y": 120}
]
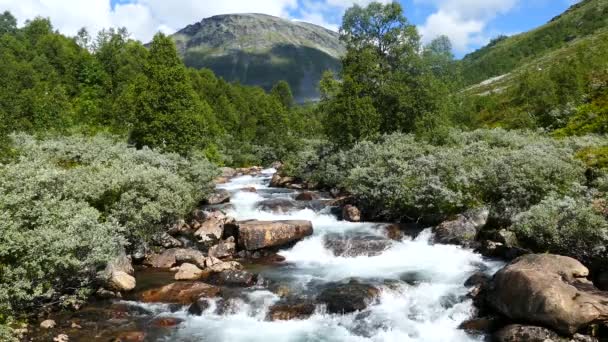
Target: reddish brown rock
[
  {"x": 351, "y": 213},
  {"x": 255, "y": 235},
  {"x": 307, "y": 196},
  {"x": 182, "y": 293},
  {"x": 166, "y": 322},
  {"x": 291, "y": 309},
  {"x": 131, "y": 336}
]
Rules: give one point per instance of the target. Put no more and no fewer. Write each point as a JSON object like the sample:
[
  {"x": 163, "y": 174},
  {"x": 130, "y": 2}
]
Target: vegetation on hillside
[{"x": 504, "y": 54}]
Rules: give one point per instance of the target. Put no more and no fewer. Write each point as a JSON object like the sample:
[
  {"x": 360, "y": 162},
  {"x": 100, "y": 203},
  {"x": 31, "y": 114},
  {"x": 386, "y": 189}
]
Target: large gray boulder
[
  {"x": 346, "y": 298},
  {"x": 211, "y": 230},
  {"x": 549, "y": 290},
  {"x": 118, "y": 274},
  {"x": 254, "y": 235},
  {"x": 218, "y": 197},
  {"x": 463, "y": 229}
]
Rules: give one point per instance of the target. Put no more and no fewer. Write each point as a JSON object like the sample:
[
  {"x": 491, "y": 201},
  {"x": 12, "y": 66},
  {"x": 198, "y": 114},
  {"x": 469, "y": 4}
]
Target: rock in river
[
  {"x": 218, "y": 197},
  {"x": 549, "y": 290},
  {"x": 346, "y": 298},
  {"x": 182, "y": 293},
  {"x": 289, "y": 309},
  {"x": 255, "y": 235},
  {"x": 359, "y": 245}
]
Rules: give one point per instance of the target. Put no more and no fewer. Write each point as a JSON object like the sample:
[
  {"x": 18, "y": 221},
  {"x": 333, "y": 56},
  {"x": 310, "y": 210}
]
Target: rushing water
[{"x": 422, "y": 293}]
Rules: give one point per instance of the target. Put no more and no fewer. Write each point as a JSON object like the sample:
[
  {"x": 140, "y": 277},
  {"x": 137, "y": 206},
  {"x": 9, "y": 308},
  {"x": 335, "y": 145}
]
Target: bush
[
  {"x": 401, "y": 177},
  {"x": 69, "y": 205},
  {"x": 565, "y": 226}
]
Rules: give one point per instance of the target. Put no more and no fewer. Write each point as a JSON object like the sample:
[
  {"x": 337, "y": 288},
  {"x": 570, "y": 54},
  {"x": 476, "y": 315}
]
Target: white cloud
[
  {"x": 143, "y": 18},
  {"x": 463, "y": 21}
]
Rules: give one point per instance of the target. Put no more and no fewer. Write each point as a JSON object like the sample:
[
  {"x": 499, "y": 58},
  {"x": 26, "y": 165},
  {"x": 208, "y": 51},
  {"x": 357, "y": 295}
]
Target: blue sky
[{"x": 469, "y": 23}]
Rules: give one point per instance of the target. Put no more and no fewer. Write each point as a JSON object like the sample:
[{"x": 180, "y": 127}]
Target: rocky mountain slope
[{"x": 258, "y": 49}]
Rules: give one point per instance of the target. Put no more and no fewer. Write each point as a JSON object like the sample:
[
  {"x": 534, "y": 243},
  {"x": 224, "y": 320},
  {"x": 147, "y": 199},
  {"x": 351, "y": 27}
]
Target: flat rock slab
[
  {"x": 181, "y": 293},
  {"x": 254, "y": 235}
]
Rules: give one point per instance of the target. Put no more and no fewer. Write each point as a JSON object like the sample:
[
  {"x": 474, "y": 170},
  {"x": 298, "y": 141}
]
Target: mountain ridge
[{"x": 260, "y": 49}]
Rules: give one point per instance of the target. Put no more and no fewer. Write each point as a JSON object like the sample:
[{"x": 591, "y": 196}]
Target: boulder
[
  {"x": 277, "y": 205},
  {"x": 121, "y": 281},
  {"x": 218, "y": 197},
  {"x": 290, "y": 309},
  {"x": 181, "y": 227},
  {"x": 526, "y": 333},
  {"x": 460, "y": 231},
  {"x": 279, "y": 182},
  {"x": 253, "y": 235},
  {"x": 165, "y": 322},
  {"x": 48, "y": 324},
  {"x": 225, "y": 266},
  {"x": 499, "y": 250},
  {"x": 307, "y": 196},
  {"x": 211, "y": 230},
  {"x": 507, "y": 238},
  {"x": 346, "y": 298},
  {"x": 130, "y": 336},
  {"x": 167, "y": 241},
  {"x": 199, "y": 306},
  {"x": 359, "y": 245},
  {"x": 227, "y": 172},
  {"x": 180, "y": 293},
  {"x": 235, "y": 278},
  {"x": 249, "y": 189},
  {"x": 351, "y": 213},
  {"x": 174, "y": 256},
  {"x": 118, "y": 274},
  {"x": 189, "y": 272},
  {"x": 482, "y": 325},
  {"x": 61, "y": 338},
  {"x": 548, "y": 290},
  {"x": 224, "y": 249},
  {"x": 191, "y": 256}
]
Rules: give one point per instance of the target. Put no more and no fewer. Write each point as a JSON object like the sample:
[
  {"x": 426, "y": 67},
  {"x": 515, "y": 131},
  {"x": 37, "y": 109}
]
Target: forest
[{"x": 104, "y": 141}]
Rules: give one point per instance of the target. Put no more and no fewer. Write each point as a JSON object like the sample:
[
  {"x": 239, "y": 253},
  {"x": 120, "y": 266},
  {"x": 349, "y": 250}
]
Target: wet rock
[
  {"x": 218, "y": 197},
  {"x": 192, "y": 256},
  {"x": 249, "y": 189},
  {"x": 224, "y": 249},
  {"x": 166, "y": 322},
  {"x": 549, "y": 290},
  {"x": 526, "y": 333},
  {"x": 353, "y": 246},
  {"x": 130, "y": 336},
  {"x": 235, "y": 278},
  {"x": 307, "y": 196},
  {"x": 277, "y": 205},
  {"x": 477, "y": 279},
  {"x": 254, "y": 235},
  {"x": 278, "y": 182},
  {"x": 48, "y": 324},
  {"x": 199, "y": 306},
  {"x": 189, "y": 272},
  {"x": 483, "y": 325},
  {"x": 498, "y": 250},
  {"x": 173, "y": 256},
  {"x": 291, "y": 309},
  {"x": 225, "y": 266},
  {"x": 180, "y": 227},
  {"x": 351, "y": 213},
  {"x": 346, "y": 298},
  {"x": 211, "y": 229},
  {"x": 107, "y": 294},
  {"x": 167, "y": 241},
  {"x": 182, "y": 293},
  {"x": 460, "y": 231}
]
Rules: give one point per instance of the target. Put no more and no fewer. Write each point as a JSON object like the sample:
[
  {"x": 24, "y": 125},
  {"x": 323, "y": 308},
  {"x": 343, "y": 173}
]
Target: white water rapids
[{"x": 422, "y": 293}]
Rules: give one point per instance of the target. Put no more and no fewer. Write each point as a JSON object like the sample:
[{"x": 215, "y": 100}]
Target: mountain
[
  {"x": 504, "y": 54},
  {"x": 259, "y": 49}
]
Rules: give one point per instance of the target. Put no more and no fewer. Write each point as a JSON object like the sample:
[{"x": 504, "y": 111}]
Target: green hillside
[{"x": 504, "y": 54}]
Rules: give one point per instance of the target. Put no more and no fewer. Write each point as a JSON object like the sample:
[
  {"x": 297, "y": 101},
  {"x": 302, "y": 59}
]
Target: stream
[{"x": 422, "y": 296}]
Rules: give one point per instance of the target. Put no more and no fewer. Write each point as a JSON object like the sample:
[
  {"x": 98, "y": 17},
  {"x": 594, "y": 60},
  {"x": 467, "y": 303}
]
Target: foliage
[
  {"x": 70, "y": 204},
  {"x": 402, "y": 177},
  {"x": 565, "y": 226},
  {"x": 386, "y": 84}
]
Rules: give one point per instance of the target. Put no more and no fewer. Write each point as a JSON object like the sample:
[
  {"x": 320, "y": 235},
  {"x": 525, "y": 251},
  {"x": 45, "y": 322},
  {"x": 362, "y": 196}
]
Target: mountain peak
[{"x": 260, "y": 49}]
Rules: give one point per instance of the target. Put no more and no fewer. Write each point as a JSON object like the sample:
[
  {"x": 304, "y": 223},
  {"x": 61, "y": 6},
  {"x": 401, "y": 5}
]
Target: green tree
[
  {"x": 8, "y": 23},
  {"x": 170, "y": 115},
  {"x": 282, "y": 92}
]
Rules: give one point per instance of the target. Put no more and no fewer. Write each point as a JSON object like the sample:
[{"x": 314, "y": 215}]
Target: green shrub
[
  {"x": 401, "y": 177},
  {"x": 565, "y": 226},
  {"x": 68, "y": 205}
]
